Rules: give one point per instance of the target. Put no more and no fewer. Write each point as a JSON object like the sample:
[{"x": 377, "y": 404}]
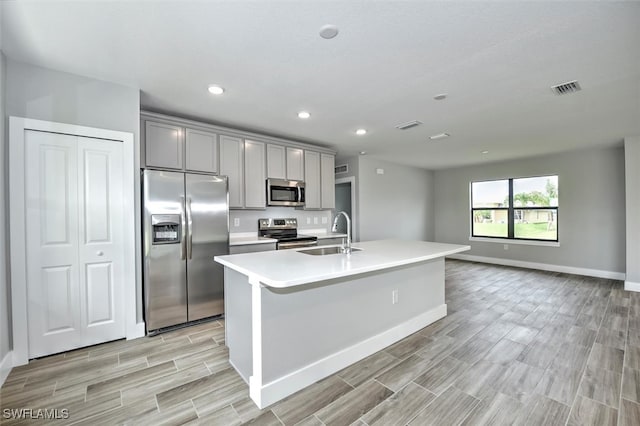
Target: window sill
[{"x": 520, "y": 242}]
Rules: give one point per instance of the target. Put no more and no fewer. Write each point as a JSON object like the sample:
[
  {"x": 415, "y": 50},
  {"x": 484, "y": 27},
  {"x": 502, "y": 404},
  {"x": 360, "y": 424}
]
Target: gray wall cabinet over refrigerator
[
  {"x": 164, "y": 145},
  {"x": 168, "y": 146}
]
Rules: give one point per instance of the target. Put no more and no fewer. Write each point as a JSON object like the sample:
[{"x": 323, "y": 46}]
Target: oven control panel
[{"x": 288, "y": 223}]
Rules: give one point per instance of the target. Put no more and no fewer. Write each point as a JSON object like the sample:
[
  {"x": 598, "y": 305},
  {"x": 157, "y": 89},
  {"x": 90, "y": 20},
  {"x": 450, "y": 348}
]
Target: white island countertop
[{"x": 289, "y": 268}]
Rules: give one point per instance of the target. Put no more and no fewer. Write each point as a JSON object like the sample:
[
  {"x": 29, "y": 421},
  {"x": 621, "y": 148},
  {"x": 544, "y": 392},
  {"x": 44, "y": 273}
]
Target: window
[{"x": 521, "y": 209}]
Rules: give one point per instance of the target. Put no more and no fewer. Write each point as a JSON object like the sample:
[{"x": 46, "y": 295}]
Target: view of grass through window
[{"x": 525, "y": 208}]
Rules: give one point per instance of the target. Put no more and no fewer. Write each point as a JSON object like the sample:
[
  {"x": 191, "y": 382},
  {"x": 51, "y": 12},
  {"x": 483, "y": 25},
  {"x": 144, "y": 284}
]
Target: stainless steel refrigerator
[{"x": 186, "y": 224}]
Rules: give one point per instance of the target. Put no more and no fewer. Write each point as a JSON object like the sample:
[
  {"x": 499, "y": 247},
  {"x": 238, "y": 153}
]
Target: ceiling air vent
[
  {"x": 566, "y": 88},
  {"x": 343, "y": 168},
  {"x": 408, "y": 125}
]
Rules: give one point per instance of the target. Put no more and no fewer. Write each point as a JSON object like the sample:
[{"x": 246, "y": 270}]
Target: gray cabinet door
[
  {"x": 254, "y": 175},
  {"x": 164, "y": 145},
  {"x": 312, "y": 179},
  {"x": 275, "y": 162},
  {"x": 295, "y": 164},
  {"x": 327, "y": 185},
  {"x": 232, "y": 166},
  {"x": 201, "y": 151}
]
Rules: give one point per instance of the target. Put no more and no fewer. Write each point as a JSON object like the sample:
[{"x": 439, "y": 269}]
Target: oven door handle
[{"x": 296, "y": 244}]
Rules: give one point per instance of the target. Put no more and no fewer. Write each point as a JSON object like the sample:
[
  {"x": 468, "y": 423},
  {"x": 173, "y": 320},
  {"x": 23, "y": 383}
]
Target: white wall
[
  {"x": 5, "y": 307},
  {"x": 632, "y": 203},
  {"x": 591, "y": 208},
  {"x": 45, "y": 94},
  {"x": 396, "y": 204}
]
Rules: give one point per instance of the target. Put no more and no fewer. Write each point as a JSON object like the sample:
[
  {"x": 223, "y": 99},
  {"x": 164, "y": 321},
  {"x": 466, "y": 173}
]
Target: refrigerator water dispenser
[{"x": 165, "y": 228}]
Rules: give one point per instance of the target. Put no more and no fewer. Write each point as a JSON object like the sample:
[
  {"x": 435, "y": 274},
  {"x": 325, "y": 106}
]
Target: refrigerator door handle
[
  {"x": 183, "y": 237},
  {"x": 189, "y": 230}
]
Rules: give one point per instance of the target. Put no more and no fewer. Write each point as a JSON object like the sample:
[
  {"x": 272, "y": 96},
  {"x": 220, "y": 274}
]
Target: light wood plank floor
[{"x": 518, "y": 347}]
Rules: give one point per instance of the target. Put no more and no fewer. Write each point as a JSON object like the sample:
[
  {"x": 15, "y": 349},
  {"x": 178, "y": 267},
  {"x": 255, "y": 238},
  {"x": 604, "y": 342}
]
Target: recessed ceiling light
[
  {"x": 484, "y": 152},
  {"x": 328, "y": 31},
  {"x": 439, "y": 136},
  {"x": 361, "y": 132},
  {"x": 214, "y": 89},
  {"x": 304, "y": 114},
  {"x": 363, "y": 152},
  {"x": 440, "y": 96}
]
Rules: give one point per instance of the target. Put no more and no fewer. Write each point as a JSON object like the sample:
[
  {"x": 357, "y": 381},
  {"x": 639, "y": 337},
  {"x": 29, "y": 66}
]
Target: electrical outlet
[
  {"x": 315, "y": 220},
  {"x": 506, "y": 246},
  {"x": 394, "y": 297},
  {"x": 236, "y": 222},
  {"x": 324, "y": 220}
]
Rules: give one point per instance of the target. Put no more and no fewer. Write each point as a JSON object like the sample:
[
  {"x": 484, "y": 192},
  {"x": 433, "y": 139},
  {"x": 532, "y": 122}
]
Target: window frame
[{"x": 511, "y": 214}]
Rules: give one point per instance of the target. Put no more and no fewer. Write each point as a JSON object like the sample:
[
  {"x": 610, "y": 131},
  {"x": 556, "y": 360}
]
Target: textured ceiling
[{"x": 495, "y": 60}]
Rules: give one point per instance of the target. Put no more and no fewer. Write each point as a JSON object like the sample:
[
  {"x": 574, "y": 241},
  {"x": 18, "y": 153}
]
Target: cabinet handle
[
  {"x": 183, "y": 237},
  {"x": 99, "y": 253}
]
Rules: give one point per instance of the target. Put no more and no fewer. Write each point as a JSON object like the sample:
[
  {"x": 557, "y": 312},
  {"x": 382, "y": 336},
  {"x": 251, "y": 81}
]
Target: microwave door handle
[{"x": 299, "y": 200}]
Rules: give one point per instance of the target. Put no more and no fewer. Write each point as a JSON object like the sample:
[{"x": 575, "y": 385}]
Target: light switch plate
[{"x": 236, "y": 222}]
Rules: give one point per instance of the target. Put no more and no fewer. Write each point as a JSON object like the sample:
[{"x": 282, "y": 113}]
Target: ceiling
[{"x": 495, "y": 60}]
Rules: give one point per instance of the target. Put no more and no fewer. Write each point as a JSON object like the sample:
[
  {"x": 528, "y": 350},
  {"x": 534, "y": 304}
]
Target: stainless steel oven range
[{"x": 286, "y": 232}]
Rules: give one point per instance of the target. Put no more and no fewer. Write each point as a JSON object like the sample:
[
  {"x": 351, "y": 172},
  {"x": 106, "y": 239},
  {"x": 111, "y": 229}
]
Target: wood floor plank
[
  {"x": 482, "y": 379},
  {"x": 587, "y": 412},
  {"x": 632, "y": 359},
  {"x": 611, "y": 338},
  {"x": 408, "y": 346},
  {"x": 368, "y": 368},
  {"x": 497, "y": 410},
  {"x": 311, "y": 399},
  {"x": 400, "y": 408},
  {"x": 404, "y": 372},
  {"x": 538, "y": 354},
  {"x": 133, "y": 379},
  {"x": 602, "y": 386},
  {"x": 560, "y": 385},
  {"x": 520, "y": 381},
  {"x": 522, "y": 334},
  {"x": 225, "y": 416},
  {"x": 208, "y": 393},
  {"x": 442, "y": 375},
  {"x": 473, "y": 350},
  {"x": 450, "y": 408},
  {"x": 606, "y": 357},
  {"x": 631, "y": 384},
  {"x": 629, "y": 413},
  {"x": 353, "y": 405},
  {"x": 505, "y": 351},
  {"x": 265, "y": 419},
  {"x": 541, "y": 410}
]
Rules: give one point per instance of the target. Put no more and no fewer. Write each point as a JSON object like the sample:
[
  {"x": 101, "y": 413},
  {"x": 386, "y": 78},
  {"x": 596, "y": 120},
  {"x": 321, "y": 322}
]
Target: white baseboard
[
  {"x": 631, "y": 286},
  {"x": 284, "y": 386},
  {"x": 542, "y": 266},
  {"x": 140, "y": 330},
  {"x": 5, "y": 367}
]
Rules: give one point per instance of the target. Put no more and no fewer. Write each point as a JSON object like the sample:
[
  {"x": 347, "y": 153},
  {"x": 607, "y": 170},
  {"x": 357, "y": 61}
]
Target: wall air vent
[
  {"x": 343, "y": 168},
  {"x": 566, "y": 88},
  {"x": 408, "y": 125}
]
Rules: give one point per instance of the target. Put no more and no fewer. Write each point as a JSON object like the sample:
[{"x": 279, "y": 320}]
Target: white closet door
[
  {"x": 74, "y": 241},
  {"x": 101, "y": 244}
]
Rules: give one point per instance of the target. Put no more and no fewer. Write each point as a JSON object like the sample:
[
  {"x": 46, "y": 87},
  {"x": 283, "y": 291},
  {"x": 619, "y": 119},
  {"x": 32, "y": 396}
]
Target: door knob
[{"x": 99, "y": 252}]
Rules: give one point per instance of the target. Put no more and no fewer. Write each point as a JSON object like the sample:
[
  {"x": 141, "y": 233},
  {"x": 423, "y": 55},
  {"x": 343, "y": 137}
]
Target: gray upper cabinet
[
  {"x": 295, "y": 163},
  {"x": 164, "y": 145},
  {"x": 276, "y": 162},
  {"x": 327, "y": 181},
  {"x": 254, "y": 175},
  {"x": 232, "y": 165},
  {"x": 201, "y": 150},
  {"x": 312, "y": 180}
]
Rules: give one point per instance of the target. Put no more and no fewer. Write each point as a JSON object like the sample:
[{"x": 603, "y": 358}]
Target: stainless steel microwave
[{"x": 282, "y": 192}]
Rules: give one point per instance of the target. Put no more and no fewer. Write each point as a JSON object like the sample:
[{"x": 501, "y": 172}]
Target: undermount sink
[{"x": 322, "y": 251}]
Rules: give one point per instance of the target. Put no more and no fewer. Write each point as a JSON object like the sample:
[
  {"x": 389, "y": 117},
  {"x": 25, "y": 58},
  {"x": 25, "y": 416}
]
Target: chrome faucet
[{"x": 347, "y": 248}]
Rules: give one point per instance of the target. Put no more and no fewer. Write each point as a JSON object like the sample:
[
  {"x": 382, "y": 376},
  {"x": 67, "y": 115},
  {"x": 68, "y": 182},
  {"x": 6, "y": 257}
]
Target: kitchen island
[{"x": 294, "y": 318}]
